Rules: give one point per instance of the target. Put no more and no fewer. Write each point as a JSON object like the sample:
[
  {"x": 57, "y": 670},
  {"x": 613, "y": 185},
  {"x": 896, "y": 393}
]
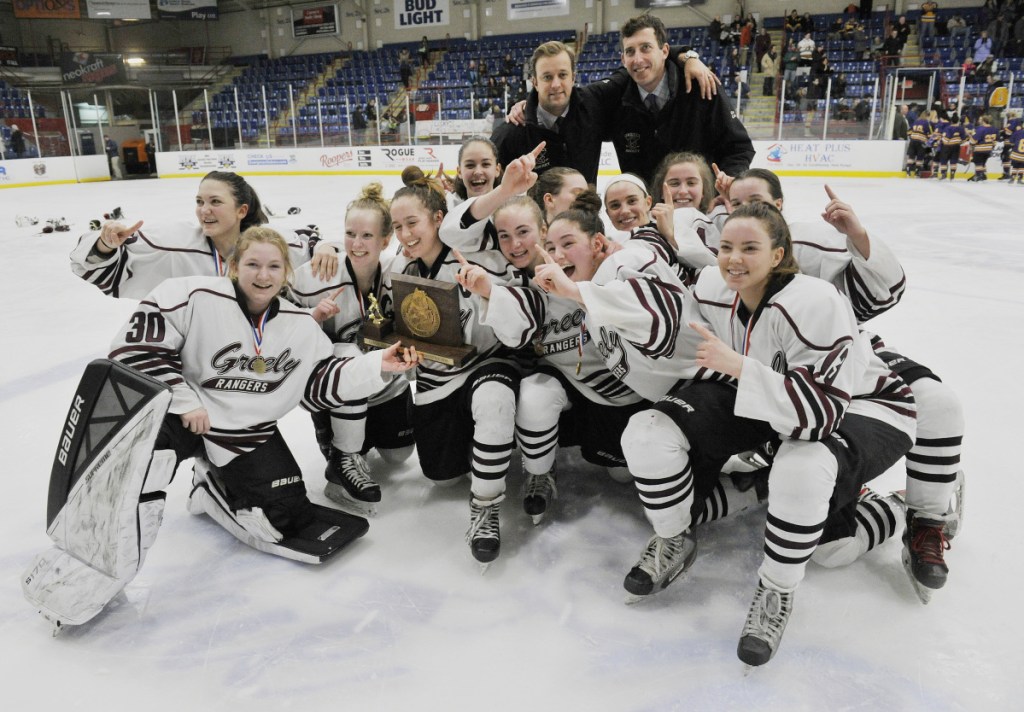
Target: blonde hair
[
  {"x": 259, "y": 235},
  {"x": 372, "y": 198}
]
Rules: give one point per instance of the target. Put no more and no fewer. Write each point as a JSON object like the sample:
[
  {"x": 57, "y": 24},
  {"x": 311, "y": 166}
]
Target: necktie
[
  {"x": 559, "y": 123},
  {"x": 651, "y": 102}
]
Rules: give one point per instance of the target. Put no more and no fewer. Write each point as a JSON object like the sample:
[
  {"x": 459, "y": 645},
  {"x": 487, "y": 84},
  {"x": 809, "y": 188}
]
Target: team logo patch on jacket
[{"x": 631, "y": 142}]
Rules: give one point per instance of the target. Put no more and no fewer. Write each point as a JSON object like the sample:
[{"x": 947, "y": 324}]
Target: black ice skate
[
  {"x": 924, "y": 547},
  {"x": 349, "y": 483},
  {"x": 538, "y": 492},
  {"x": 484, "y": 535},
  {"x": 766, "y": 621},
  {"x": 661, "y": 563}
]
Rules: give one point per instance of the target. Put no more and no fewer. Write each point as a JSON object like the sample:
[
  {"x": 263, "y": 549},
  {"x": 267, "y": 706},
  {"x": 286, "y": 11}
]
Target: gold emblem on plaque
[{"x": 421, "y": 314}]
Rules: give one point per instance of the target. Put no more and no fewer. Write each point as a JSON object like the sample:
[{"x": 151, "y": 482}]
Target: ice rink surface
[{"x": 403, "y": 619}]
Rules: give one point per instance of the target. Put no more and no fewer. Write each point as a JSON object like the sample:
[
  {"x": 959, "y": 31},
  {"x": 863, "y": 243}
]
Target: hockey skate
[
  {"x": 955, "y": 515},
  {"x": 26, "y": 221},
  {"x": 766, "y": 621},
  {"x": 349, "y": 483},
  {"x": 484, "y": 535},
  {"x": 115, "y": 214},
  {"x": 56, "y": 225},
  {"x": 538, "y": 492},
  {"x": 662, "y": 562},
  {"x": 924, "y": 547}
]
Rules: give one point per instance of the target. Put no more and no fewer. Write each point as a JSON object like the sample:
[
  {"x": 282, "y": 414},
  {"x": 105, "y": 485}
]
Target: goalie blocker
[{"x": 106, "y": 499}]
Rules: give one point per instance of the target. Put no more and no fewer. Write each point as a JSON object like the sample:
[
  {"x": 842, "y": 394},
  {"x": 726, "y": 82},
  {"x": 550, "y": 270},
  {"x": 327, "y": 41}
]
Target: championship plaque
[{"x": 426, "y": 316}]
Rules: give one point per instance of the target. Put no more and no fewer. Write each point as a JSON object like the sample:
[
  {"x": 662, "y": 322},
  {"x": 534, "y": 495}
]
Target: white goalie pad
[{"x": 105, "y": 496}]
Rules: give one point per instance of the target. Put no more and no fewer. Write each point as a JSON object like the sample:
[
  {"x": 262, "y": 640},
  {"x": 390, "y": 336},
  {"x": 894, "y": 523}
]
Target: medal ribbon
[
  {"x": 579, "y": 346},
  {"x": 218, "y": 263},
  {"x": 745, "y": 342},
  {"x": 257, "y": 332}
]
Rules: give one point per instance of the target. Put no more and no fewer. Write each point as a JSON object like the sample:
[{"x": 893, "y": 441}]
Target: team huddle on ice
[{"x": 662, "y": 337}]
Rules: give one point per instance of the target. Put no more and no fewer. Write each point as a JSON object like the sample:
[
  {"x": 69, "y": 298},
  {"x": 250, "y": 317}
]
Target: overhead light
[{"x": 134, "y": 61}]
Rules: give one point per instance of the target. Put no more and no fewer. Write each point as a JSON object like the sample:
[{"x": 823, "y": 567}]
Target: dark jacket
[
  {"x": 578, "y": 143},
  {"x": 686, "y": 123}
]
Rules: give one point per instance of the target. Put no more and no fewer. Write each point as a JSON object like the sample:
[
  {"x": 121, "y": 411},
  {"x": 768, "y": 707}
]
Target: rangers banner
[
  {"x": 118, "y": 9},
  {"x": 314, "y": 21},
  {"x": 46, "y": 9},
  {"x": 187, "y": 9},
  {"x": 528, "y": 9},
  {"x": 91, "y": 68},
  {"x": 421, "y": 13}
]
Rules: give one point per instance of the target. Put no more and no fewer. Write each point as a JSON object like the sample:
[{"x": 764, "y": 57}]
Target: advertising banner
[
  {"x": 529, "y": 9},
  {"x": 315, "y": 21},
  {"x": 91, "y": 68},
  {"x": 46, "y": 9},
  {"x": 118, "y": 9},
  {"x": 411, "y": 14},
  {"x": 187, "y": 9}
]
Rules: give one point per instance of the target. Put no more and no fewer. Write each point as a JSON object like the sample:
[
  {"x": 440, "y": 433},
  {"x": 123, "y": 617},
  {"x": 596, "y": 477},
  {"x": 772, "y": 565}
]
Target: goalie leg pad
[{"x": 260, "y": 499}]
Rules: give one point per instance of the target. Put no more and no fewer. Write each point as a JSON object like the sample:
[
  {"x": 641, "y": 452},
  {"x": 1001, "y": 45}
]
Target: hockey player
[
  {"x": 236, "y": 359},
  {"x": 604, "y": 348},
  {"x": 953, "y": 136},
  {"x": 864, "y": 270},
  {"x": 464, "y": 417},
  {"x": 983, "y": 141},
  {"x": 479, "y": 168},
  {"x": 802, "y": 371},
  {"x": 555, "y": 190},
  {"x": 917, "y": 148},
  {"x": 125, "y": 261},
  {"x": 345, "y": 435},
  {"x": 1017, "y": 154},
  {"x": 1006, "y": 135}
]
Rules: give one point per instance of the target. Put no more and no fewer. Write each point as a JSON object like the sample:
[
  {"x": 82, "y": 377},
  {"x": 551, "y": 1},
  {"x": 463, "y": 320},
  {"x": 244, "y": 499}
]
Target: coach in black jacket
[
  {"x": 681, "y": 122},
  {"x": 572, "y": 120}
]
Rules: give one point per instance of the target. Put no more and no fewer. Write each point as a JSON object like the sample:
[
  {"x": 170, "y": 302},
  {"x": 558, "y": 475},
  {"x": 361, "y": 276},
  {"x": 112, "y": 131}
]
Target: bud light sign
[{"x": 421, "y": 13}]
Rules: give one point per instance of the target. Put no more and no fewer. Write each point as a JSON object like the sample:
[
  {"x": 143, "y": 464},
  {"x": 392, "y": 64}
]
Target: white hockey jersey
[
  {"x": 156, "y": 253},
  {"x": 619, "y": 347},
  {"x": 307, "y": 290},
  {"x": 872, "y": 285},
  {"x": 194, "y": 335},
  {"x": 807, "y": 363}
]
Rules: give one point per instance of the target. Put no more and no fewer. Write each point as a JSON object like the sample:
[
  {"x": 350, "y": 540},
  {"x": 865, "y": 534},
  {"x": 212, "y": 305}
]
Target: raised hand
[
  {"x": 552, "y": 278},
  {"x": 714, "y": 354},
  {"x": 446, "y": 182},
  {"x": 841, "y": 216},
  {"x": 663, "y": 214},
  {"x": 472, "y": 277},
  {"x": 113, "y": 234},
  {"x": 723, "y": 182},
  {"x": 328, "y": 306},
  {"x": 519, "y": 176}
]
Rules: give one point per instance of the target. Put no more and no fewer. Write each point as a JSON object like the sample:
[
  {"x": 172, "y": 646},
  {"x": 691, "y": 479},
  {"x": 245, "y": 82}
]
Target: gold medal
[
  {"x": 579, "y": 367},
  {"x": 421, "y": 314},
  {"x": 259, "y": 365}
]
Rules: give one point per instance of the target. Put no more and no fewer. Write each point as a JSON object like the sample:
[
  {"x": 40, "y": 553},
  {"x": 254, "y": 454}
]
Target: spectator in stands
[
  {"x": 806, "y": 50},
  {"x": 358, "y": 119},
  {"x": 861, "y": 43},
  {"x": 769, "y": 67},
  {"x": 715, "y": 35},
  {"x": 926, "y": 23},
  {"x": 509, "y": 66},
  {"x": 472, "y": 72},
  {"x": 742, "y": 90},
  {"x": 404, "y": 68},
  {"x": 762, "y": 43},
  {"x": 862, "y": 110},
  {"x": 968, "y": 67},
  {"x": 746, "y": 39},
  {"x": 790, "y": 62},
  {"x": 839, "y": 86},
  {"x": 902, "y": 28},
  {"x": 892, "y": 48},
  {"x": 999, "y": 31},
  {"x": 371, "y": 110},
  {"x": 424, "y": 51},
  {"x": 851, "y": 11},
  {"x": 957, "y": 27},
  {"x": 807, "y": 23},
  {"x": 150, "y": 153},
  {"x": 812, "y": 94},
  {"x": 17, "y": 141},
  {"x": 835, "y": 30},
  {"x": 484, "y": 70},
  {"x": 793, "y": 25},
  {"x": 982, "y": 47},
  {"x": 984, "y": 70},
  {"x": 1018, "y": 34},
  {"x": 820, "y": 66}
]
